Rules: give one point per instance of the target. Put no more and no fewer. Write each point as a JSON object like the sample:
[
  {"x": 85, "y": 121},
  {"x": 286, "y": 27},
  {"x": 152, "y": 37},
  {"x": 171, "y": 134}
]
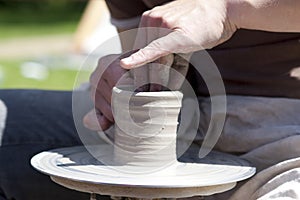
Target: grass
[
  {"x": 57, "y": 79},
  {"x": 21, "y": 19},
  {"x": 36, "y": 18},
  {"x": 10, "y": 31}
]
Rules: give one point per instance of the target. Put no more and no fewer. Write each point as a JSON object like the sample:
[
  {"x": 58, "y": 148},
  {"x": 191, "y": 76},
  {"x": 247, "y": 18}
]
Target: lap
[
  {"x": 264, "y": 131},
  {"x": 40, "y": 120}
]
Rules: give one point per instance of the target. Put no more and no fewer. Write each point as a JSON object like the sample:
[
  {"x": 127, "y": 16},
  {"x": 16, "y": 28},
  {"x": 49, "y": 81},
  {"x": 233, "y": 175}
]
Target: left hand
[{"x": 107, "y": 74}]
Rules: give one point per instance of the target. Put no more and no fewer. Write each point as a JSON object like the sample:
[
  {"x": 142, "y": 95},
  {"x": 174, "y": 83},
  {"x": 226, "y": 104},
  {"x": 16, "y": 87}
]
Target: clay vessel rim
[{"x": 128, "y": 90}]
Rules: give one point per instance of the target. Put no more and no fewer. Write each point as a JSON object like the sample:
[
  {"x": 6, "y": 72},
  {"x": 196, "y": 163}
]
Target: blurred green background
[
  {"x": 32, "y": 18},
  {"x": 21, "y": 24}
]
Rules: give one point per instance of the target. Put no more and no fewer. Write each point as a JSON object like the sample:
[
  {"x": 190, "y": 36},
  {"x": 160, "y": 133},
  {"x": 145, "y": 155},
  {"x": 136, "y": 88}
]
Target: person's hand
[
  {"x": 186, "y": 26},
  {"x": 107, "y": 74}
]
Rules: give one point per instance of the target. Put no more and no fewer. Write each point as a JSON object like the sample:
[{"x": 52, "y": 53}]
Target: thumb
[{"x": 171, "y": 43}]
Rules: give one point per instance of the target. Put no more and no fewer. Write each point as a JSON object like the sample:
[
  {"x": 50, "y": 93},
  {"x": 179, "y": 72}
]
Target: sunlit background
[{"x": 44, "y": 43}]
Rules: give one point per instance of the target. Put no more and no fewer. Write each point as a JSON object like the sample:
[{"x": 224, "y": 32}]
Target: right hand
[
  {"x": 107, "y": 74},
  {"x": 181, "y": 26}
]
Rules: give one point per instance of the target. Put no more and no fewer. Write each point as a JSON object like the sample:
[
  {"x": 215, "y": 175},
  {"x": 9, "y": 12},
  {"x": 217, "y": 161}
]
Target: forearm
[{"x": 267, "y": 15}]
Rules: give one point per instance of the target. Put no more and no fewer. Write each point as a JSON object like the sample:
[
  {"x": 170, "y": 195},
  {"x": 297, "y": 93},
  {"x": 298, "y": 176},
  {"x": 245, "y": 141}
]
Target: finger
[
  {"x": 115, "y": 73},
  {"x": 147, "y": 32},
  {"x": 112, "y": 74},
  {"x": 119, "y": 77},
  {"x": 127, "y": 78},
  {"x": 141, "y": 79},
  {"x": 179, "y": 70},
  {"x": 159, "y": 73},
  {"x": 96, "y": 121},
  {"x": 102, "y": 66},
  {"x": 171, "y": 43},
  {"x": 104, "y": 89},
  {"x": 102, "y": 105}
]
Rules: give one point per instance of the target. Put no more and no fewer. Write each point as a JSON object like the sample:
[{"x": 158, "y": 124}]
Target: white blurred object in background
[
  {"x": 95, "y": 29},
  {"x": 34, "y": 70}
]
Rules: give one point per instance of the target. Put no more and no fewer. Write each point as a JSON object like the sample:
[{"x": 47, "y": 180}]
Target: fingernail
[
  {"x": 127, "y": 61},
  {"x": 90, "y": 121}
]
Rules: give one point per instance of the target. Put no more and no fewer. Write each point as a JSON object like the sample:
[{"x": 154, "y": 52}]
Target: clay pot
[{"x": 145, "y": 127}]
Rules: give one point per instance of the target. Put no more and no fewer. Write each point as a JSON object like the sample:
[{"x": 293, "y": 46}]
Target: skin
[
  {"x": 216, "y": 21},
  {"x": 101, "y": 91}
]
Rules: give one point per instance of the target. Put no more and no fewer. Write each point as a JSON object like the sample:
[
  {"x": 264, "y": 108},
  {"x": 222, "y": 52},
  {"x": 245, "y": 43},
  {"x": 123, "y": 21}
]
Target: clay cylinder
[{"x": 145, "y": 127}]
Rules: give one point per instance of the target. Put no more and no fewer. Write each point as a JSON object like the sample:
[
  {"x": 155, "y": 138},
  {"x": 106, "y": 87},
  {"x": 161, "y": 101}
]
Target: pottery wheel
[{"x": 75, "y": 168}]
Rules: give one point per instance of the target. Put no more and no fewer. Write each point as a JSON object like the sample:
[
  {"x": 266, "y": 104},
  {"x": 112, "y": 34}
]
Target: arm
[
  {"x": 267, "y": 15},
  {"x": 202, "y": 24}
]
